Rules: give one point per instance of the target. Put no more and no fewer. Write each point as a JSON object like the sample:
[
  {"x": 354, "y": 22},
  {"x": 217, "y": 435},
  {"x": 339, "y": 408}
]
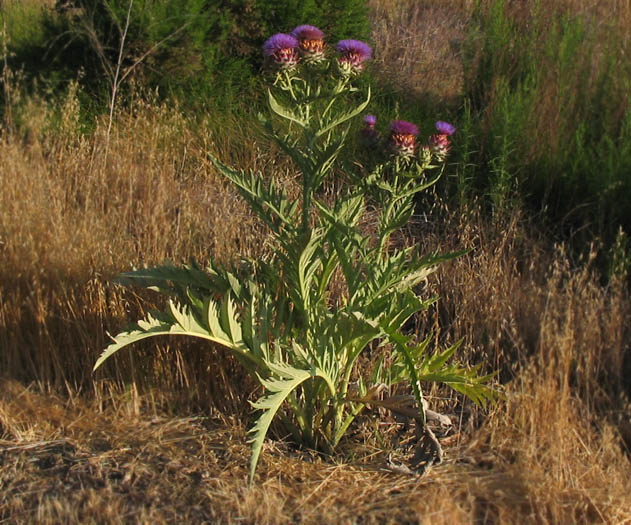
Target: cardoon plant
[{"x": 285, "y": 318}]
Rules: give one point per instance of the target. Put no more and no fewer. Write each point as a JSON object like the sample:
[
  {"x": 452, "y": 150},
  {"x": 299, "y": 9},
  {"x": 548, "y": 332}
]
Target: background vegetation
[
  {"x": 202, "y": 51},
  {"x": 537, "y": 189}
]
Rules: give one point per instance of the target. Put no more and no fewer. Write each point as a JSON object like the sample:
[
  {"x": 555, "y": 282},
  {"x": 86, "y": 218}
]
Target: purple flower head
[
  {"x": 354, "y": 47},
  {"x": 310, "y": 40},
  {"x": 279, "y": 42},
  {"x": 403, "y": 138},
  {"x": 306, "y": 32},
  {"x": 282, "y": 49},
  {"x": 370, "y": 121},
  {"x": 353, "y": 54},
  {"x": 445, "y": 128},
  {"x": 403, "y": 127}
]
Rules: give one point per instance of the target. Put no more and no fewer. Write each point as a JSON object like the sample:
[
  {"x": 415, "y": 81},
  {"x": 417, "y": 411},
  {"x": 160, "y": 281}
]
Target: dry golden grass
[
  {"x": 71, "y": 219},
  {"x": 535, "y": 460},
  {"x": 417, "y": 45},
  {"x": 159, "y": 437},
  {"x": 552, "y": 452}
]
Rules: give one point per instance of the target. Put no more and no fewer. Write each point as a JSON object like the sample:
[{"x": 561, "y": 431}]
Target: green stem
[
  {"x": 329, "y": 106},
  {"x": 341, "y": 85},
  {"x": 343, "y": 427},
  {"x": 385, "y": 235},
  {"x": 290, "y": 86},
  {"x": 306, "y": 204}
]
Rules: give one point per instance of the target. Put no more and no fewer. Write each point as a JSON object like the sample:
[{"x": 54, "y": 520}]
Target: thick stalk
[{"x": 306, "y": 204}]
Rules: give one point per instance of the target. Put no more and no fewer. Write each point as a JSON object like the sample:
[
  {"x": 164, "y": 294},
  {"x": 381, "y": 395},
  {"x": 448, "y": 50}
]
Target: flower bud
[{"x": 425, "y": 156}]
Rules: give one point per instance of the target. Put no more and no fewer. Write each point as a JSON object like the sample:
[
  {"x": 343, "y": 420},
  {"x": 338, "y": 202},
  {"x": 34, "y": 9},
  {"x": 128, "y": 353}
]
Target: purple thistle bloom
[
  {"x": 403, "y": 138},
  {"x": 369, "y": 136},
  {"x": 278, "y": 42},
  {"x": 353, "y": 54},
  {"x": 282, "y": 49},
  {"x": 445, "y": 128},
  {"x": 370, "y": 120},
  {"x": 440, "y": 146},
  {"x": 356, "y": 47},
  {"x": 311, "y": 42},
  {"x": 403, "y": 127},
  {"x": 307, "y": 32}
]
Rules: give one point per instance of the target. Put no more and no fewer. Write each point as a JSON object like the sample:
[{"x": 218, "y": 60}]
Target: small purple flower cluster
[
  {"x": 402, "y": 140},
  {"x": 369, "y": 136},
  {"x": 306, "y": 43}
]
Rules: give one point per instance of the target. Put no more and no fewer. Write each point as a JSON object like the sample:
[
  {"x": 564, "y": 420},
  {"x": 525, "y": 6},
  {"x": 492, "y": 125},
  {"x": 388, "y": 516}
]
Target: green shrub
[
  {"x": 548, "y": 105},
  {"x": 203, "y": 51}
]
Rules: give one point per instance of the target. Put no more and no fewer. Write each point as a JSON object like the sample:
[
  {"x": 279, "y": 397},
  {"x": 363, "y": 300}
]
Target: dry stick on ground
[{"x": 428, "y": 449}]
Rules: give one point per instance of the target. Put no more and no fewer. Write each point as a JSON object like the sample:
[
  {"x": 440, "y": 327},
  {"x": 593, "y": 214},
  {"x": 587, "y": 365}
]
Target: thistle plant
[{"x": 321, "y": 322}]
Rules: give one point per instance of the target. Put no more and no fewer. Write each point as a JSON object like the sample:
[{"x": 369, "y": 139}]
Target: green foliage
[
  {"x": 26, "y": 32},
  {"x": 547, "y": 100},
  {"x": 338, "y": 19},
  {"x": 620, "y": 257},
  {"x": 300, "y": 320},
  {"x": 203, "y": 51},
  {"x": 24, "y": 22}
]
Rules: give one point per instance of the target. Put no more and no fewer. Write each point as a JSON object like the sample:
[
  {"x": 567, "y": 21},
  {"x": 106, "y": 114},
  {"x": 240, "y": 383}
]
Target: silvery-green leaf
[
  {"x": 278, "y": 390},
  {"x": 283, "y": 111},
  {"x": 344, "y": 116}
]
